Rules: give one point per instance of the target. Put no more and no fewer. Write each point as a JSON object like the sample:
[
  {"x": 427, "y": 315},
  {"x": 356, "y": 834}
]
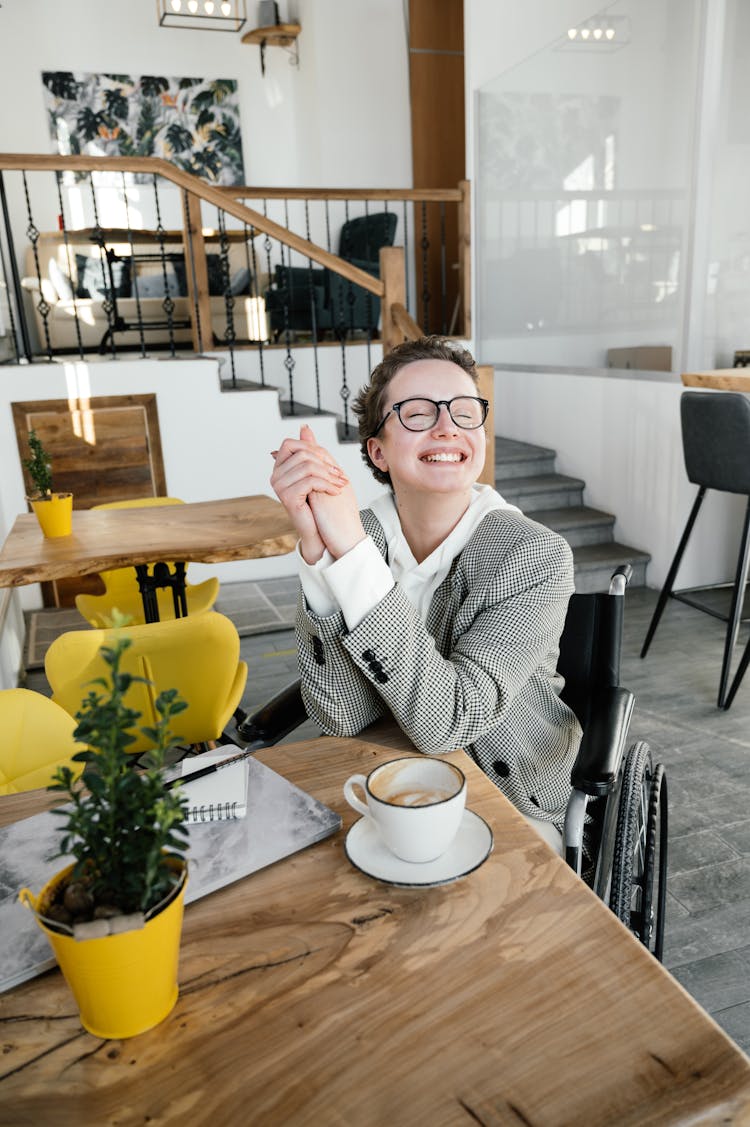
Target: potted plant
[
  {"x": 114, "y": 917},
  {"x": 54, "y": 511}
]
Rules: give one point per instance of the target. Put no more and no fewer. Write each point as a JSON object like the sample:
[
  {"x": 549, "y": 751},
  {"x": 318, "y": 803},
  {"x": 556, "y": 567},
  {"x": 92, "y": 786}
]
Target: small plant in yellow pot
[
  {"x": 114, "y": 917},
  {"x": 54, "y": 511}
]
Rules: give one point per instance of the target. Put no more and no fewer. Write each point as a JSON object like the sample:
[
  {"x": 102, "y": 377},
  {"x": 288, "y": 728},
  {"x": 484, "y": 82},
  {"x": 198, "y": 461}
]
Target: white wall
[{"x": 341, "y": 119}]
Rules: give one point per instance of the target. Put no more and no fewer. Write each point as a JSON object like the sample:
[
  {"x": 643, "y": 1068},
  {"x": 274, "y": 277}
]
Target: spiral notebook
[
  {"x": 219, "y": 796},
  {"x": 281, "y": 819}
]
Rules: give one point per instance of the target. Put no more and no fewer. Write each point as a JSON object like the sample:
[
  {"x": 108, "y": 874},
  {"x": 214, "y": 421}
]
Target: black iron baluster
[
  {"x": 259, "y": 302},
  {"x": 108, "y": 287},
  {"x": 230, "y": 335},
  {"x": 71, "y": 273},
  {"x": 33, "y": 234},
  {"x": 328, "y": 227},
  {"x": 350, "y": 295},
  {"x": 313, "y": 311},
  {"x": 425, "y": 245},
  {"x": 443, "y": 273},
  {"x": 168, "y": 303},
  {"x": 344, "y": 391},
  {"x": 13, "y": 332},
  {"x": 134, "y": 272},
  {"x": 289, "y": 361},
  {"x": 368, "y": 296}
]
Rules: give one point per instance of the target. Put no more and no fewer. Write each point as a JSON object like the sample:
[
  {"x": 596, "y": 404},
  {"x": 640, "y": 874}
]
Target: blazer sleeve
[
  {"x": 337, "y": 695},
  {"x": 510, "y": 639}
]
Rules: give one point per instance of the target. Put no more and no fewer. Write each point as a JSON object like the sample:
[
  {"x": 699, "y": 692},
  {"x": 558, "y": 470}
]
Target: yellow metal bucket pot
[
  {"x": 123, "y": 984},
  {"x": 55, "y": 515}
]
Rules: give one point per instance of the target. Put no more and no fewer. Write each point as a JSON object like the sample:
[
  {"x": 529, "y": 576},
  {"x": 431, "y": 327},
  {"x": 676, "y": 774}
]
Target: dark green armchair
[{"x": 314, "y": 300}]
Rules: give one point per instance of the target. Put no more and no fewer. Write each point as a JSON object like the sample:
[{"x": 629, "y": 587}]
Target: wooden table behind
[
  {"x": 719, "y": 379},
  {"x": 237, "y": 528},
  {"x": 312, "y": 994}
]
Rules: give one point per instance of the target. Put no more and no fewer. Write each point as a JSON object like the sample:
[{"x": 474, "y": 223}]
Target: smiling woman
[{"x": 441, "y": 603}]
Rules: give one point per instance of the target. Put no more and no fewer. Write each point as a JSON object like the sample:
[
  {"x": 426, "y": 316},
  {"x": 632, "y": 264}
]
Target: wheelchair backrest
[{"x": 590, "y": 648}]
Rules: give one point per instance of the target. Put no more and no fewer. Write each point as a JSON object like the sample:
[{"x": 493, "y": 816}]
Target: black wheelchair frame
[{"x": 616, "y": 824}]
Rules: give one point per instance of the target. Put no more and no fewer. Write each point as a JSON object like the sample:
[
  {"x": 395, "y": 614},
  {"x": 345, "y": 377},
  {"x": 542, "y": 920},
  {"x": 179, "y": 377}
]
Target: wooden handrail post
[
  {"x": 464, "y": 255},
  {"x": 393, "y": 277},
  {"x": 196, "y": 269},
  {"x": 486, "y": 374}
]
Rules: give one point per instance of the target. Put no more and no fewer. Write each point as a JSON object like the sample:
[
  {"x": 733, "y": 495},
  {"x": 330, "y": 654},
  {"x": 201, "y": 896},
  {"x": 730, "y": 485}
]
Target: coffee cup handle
[{"x": 352, "y": 782}]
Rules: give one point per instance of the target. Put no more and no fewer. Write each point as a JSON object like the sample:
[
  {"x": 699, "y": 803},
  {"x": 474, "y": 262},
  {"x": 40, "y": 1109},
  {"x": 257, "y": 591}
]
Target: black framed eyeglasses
[{"x": 467, "y": 412}]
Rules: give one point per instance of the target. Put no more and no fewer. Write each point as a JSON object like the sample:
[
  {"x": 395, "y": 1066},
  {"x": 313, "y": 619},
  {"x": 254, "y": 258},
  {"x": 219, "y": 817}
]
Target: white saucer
[{"x": 471, "y": 846}]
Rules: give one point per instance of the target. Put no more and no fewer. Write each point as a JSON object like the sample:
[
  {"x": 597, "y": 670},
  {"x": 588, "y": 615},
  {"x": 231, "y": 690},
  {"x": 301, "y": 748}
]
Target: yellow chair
[
  {"x": 37, "y": 738},
  {"x": 198, "y": 655},
  {"x": 121, "y": 585}
]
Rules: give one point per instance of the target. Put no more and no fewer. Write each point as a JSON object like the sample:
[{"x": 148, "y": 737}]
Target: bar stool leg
[
  {"x": 735, "y": 614},
  {"x": 666, "y": 590}
]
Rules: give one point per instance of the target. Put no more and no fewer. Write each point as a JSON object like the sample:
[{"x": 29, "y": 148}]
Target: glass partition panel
[{"x": 584, "y": 156}]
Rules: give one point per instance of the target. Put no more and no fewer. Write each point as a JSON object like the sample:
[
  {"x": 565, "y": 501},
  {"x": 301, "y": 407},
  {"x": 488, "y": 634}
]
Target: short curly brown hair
[{"x": 368, "y": 404}]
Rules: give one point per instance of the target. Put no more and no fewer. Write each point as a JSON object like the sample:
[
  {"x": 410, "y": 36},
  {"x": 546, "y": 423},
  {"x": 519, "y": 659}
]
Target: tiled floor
[{"x": 706, "y": 753}]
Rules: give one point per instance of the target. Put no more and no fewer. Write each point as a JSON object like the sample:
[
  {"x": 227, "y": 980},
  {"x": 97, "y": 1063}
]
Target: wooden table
[
  {"x": 311, "y": 994},
  {"x": 237, "y": 528},
  {"x": 721, "y": 379}
]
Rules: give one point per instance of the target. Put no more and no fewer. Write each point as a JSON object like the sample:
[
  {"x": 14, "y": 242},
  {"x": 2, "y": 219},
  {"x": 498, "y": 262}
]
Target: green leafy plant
[
  {"x": 124, "y": 827},
  {"x": 39, "y": 466}
]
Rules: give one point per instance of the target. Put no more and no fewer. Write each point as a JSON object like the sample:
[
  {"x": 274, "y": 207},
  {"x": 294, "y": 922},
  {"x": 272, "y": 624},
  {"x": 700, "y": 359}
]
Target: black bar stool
[{"x": 716, "y": 446}]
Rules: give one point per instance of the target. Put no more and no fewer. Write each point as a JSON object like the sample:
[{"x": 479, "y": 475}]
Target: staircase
[{"x": 525, "y": 475}]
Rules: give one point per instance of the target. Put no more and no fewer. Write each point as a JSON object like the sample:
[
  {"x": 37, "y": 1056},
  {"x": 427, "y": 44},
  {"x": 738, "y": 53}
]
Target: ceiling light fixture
[
  {"x": 202, "y": 15},
  {"x": 602, "y": 33}
]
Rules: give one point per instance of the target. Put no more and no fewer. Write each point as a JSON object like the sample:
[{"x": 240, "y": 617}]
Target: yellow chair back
[
  {"x": 37, "y": 738},
  {"x": 198, "y": 655}
]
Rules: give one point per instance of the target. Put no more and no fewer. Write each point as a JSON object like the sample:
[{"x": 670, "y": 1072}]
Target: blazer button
[
  {"x": 368, "y": 655},
  {"x": 381, "y": 677}
]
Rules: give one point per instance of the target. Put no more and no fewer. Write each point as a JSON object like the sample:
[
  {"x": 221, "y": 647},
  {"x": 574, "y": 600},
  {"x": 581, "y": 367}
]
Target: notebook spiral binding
[{"x": 214, "y": 812}]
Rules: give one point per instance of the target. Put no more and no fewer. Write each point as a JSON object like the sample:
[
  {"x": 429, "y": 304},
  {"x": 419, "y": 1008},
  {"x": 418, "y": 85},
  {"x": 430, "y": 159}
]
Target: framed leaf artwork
[{"x": 192, "y": 122}]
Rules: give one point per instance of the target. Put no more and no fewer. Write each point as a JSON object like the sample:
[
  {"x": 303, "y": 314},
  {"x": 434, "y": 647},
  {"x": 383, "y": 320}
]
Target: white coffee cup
[{"x": 416, "y": 804}]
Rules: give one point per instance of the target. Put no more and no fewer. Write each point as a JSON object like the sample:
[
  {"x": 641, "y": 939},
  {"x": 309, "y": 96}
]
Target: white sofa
[{"x": 67, "y": 270}]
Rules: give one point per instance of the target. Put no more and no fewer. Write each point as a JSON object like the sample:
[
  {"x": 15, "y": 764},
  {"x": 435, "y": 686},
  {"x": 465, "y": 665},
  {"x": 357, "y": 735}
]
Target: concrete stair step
[
  {"x": 542, "y": 491},
  {"x": 595, "y": 563},
  {"x": 579, "y": 524},
  {"x": 521, "y": 459}
]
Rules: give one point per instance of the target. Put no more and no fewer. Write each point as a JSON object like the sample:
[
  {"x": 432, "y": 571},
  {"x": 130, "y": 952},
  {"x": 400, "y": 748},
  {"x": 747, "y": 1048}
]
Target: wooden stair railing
[
  {"x": 390, "y": 287},
  {"x": 197, "y": 190}
]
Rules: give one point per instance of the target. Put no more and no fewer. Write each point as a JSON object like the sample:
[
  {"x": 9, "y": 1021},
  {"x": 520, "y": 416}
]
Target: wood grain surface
[
  {"x": 237, "y": 528},
  {"x": 721, "y": 379},
  {"x": 311, "y": 994}
]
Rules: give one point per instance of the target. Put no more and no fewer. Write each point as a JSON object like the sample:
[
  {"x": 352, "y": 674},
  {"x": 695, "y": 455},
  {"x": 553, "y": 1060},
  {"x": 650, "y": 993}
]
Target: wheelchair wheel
[{"x": 638, "y": 885}]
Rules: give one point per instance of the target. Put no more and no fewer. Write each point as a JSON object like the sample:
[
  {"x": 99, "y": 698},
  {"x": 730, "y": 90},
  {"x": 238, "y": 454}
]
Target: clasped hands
[{"x": 318, "y": 497}]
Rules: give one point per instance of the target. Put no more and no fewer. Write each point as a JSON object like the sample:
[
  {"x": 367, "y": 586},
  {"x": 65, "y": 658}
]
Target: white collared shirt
[{"x": 358, "y": 580}]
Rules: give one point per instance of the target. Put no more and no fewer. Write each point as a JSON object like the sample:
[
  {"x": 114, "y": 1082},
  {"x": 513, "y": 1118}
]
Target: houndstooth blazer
[{"x": 479, "y": 674}]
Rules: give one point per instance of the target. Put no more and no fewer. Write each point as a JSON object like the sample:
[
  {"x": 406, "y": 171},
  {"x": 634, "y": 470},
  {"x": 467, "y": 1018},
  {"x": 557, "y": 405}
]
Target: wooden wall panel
[
  {"x": 106, "y": 449},
  {"x": 436, "y": 74}
]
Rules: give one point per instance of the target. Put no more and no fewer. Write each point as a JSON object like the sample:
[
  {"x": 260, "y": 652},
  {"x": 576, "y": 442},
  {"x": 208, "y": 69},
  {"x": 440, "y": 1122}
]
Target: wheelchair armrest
[
  {"x": 276, "y": 718},
  {"x": 598, "y": 760}
]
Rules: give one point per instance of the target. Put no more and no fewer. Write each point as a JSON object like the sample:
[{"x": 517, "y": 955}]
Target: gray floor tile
[
  {"x": 718, "y": 981},
  {"x": 738, "y": 836},
  {"x": 735, "y": 1020},
  {"x": 694, "y": 850},
  {"x": 712, "y": 885}
]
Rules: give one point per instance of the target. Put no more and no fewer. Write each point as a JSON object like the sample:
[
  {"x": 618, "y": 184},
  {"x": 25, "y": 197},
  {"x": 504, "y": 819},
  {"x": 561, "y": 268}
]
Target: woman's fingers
[{"x": 305, "y": 447}]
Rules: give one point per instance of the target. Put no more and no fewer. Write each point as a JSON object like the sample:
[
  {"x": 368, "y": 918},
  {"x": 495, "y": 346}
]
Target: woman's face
[{"x": 443, "y": 459}]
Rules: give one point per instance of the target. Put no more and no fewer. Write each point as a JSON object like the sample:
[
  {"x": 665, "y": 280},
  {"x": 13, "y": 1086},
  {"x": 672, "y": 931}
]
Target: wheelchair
[{"x": 616, "y": 824}]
